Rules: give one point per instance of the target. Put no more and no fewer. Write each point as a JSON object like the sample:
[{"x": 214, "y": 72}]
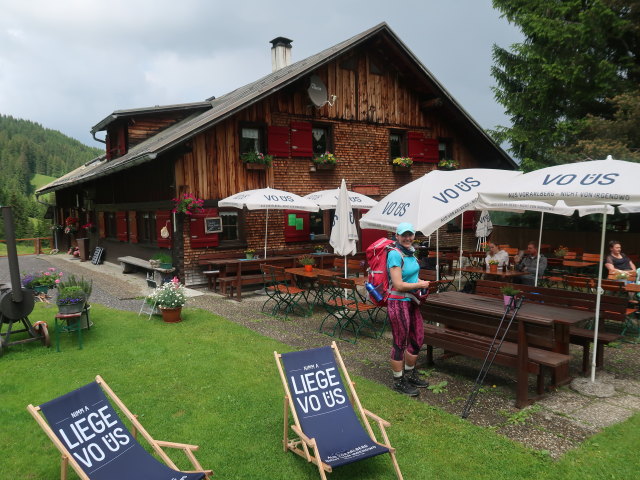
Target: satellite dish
[{"x": 317, "y": 91}]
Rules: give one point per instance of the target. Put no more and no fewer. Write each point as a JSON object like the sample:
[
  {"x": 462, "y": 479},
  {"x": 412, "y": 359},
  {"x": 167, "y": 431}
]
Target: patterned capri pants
[{"x": 407, "y": 328}]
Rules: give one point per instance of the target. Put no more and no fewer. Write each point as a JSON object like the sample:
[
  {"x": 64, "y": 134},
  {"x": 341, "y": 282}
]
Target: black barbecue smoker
[{"x": 16, "y": 303}]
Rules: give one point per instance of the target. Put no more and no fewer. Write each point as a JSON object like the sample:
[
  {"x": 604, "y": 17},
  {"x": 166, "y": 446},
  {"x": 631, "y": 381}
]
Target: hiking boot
[
  {"x": 401, "y": 385},
  {"x": 414, "y": 379}
]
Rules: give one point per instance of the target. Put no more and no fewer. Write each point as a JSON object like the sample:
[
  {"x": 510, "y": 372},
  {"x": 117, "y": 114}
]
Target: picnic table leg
[
  {"x": 238, "y": 283},
  {"x": 522, "y": 386}
]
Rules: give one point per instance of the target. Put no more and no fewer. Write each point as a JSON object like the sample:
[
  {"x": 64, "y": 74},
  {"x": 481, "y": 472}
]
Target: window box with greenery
[
  {"x": 325, "y": 161},
  {"x": 71, "y": 300},
  {"x": 402, "y": 164},
  {"x": 161, "y": 260},
  {"x": 256, "y": 160},
  {"x": 448, "y": 164}
]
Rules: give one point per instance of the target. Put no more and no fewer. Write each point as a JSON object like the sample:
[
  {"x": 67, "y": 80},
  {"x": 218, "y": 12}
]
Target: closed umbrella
[
  {"x": 602, "y": 182},
  {"x": 484, "y": 227},
  {"x": 268, "y": 199},
  {"x": 344, "y": 236}
]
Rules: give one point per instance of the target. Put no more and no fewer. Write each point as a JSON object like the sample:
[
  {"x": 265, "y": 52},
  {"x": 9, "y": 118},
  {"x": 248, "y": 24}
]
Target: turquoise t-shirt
[{"x": 410, "y": 269}]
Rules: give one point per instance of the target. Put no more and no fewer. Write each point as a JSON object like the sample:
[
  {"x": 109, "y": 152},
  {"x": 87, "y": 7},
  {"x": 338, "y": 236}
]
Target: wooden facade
[{"x": 378, "y": 88}]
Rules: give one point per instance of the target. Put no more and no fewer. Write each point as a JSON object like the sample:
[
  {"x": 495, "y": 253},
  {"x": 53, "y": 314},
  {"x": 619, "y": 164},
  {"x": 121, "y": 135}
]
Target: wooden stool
[
  {"x": 212, "y": 277},
  {"x": 68, "y": 322}
]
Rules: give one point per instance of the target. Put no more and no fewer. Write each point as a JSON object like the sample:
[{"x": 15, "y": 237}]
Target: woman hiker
[{"x": 404, "y": 313}]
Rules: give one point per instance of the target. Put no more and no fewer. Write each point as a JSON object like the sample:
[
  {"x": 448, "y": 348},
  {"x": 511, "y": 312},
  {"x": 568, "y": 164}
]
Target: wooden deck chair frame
[
  {"x": 307, "y": 447},
  {"x": 136, "y": 427}
]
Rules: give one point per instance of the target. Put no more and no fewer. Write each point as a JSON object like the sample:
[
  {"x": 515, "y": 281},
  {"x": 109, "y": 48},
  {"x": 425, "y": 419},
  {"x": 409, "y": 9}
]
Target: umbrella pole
[
  {"x": 266, "y": 225},
  {"x": 437, "y": 256},
  {"x": 461, "y": 234},
  {"x": 535, "y": 281},
  {"x": 598, "y": 294}
]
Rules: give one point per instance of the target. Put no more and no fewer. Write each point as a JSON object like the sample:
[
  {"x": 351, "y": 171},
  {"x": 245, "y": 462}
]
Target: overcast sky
[{"x": 67, "y": 64}]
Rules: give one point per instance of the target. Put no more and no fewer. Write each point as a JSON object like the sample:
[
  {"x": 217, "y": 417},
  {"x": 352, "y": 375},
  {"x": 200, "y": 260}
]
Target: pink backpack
[{"x": 378, "y": 276}]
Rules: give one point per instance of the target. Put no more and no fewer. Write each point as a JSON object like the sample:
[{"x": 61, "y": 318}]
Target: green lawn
[{"x": 211, "y": 382}]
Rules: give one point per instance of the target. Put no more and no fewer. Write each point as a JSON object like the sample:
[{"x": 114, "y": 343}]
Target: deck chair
[
  {"x": 328, "y": 424},
  {"x": 92, "y": 438}
]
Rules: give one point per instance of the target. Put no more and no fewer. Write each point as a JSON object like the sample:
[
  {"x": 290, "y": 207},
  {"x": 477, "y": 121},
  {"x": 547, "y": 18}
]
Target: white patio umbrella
[
  {"x": 603, "y": 182},
  {"x": 484, "y": 227},
  {"x": 328, "y": 199},
  {"x": 268, "y": 199},
  {"x": 344, "y": 236}
]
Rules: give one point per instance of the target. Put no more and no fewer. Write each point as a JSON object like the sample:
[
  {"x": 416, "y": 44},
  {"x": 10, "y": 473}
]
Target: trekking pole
[{"x": 515, "y": 303}]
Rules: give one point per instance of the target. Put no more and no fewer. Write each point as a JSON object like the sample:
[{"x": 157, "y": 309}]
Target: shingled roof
[{"x": 236, "y": 100}]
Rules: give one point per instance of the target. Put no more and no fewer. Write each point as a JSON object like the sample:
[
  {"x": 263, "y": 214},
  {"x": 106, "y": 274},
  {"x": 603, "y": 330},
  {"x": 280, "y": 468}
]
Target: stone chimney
[{"x": 280, "y": 53}]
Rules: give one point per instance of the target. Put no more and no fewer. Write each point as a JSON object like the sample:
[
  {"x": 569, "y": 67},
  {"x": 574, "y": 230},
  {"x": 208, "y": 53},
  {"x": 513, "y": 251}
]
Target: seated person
[
  {"x": 618, "y": 263},
  {"x": 495, "y": 253},
  {"x": 527, "y": 263}
]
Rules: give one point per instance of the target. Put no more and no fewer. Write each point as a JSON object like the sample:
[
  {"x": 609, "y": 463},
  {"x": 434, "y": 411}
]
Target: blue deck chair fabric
[
  {"x": 91, "y": 430},
  {"x": 323, "y": 407}
]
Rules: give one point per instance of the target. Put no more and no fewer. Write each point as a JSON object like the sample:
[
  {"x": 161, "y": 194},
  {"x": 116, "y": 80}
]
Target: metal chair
[{"x": 147, "y": 308}]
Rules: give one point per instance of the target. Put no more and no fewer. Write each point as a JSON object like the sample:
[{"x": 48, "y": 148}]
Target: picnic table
[
  {"x": 475, "y": 273},
  {"x": 309, "y": 277},
  {"x": 540, "y": 336}
]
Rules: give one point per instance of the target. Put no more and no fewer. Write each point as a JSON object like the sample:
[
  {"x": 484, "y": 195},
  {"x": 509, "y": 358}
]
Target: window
[
  {"x": 444, "y": 149},
  {"x": 250, "y": 140},
  {"x": 317, "y": 223},
  {"x": 146, "y": 227},
  {"x": 397, "y": 144},
  {"x": 230, "y": 226},
  {"x": 321, "y": 139},
  {"x": 110, "y": 226}
]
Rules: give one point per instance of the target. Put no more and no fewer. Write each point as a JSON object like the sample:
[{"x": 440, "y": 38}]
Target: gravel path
[{"x": 555, "y": 424}]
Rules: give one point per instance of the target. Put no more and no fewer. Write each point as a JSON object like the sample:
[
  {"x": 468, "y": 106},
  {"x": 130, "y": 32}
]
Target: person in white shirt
[{"x": 496, "y": 254}]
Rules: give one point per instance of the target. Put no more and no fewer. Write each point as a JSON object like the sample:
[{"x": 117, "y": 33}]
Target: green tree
[{"x": 576, "y": 54}]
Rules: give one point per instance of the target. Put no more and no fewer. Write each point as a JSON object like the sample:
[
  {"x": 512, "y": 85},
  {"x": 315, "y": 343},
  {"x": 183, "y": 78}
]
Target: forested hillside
[{"x": 27, "y": 149}]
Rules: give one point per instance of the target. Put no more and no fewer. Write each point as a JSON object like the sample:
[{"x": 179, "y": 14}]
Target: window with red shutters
[
  {"x": 469, "y": 220},
  {"x": 163, "y": 219},
  {"x": 101, "y": 225},
  {"x": 301, "y": 140},
  {"x": 199, "y": 238},
  {"x": 122, "y": 232},
  {"x": 296, "y": 226},
  {"x": 278, "y": 141},
  {"x": 133, "y": 227}
]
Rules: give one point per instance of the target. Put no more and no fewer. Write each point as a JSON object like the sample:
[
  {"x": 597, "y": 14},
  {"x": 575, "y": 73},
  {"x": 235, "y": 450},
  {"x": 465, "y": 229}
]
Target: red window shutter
[
  {"x": 278, "y": 141},
  {"x": 415, "y": 146},
  {"x": 101, "y": 229},
  {"x": 133, "y": 226},
  {"x": 200, "y": 239},
  {"x": 301, "y": 144},
  {"x": 468, "y": 220},
  {"x": 431, "y": 153},
  {"x": 163, "y": 219},
  {"x": 121, "y": 226},
  {"x": 293, "y": 219}
]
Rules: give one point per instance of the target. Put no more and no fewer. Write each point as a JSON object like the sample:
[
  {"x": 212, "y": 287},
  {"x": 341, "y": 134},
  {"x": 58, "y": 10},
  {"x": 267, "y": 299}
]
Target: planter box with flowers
[
  {"x": 169, "y": 298},
  {"x": 71, "y": 299},
  {"x": 249, "y": 253},
  {"x": 448, "y": 164},
  {"x": 256, "y": 160},
  {"x": 41, "y": 282},
  {"x": 326, "y": 161},
  {"x": 71, "y": 225},
  {"x": 402, "y": 164},
  {"x": 188, "y": 204}
]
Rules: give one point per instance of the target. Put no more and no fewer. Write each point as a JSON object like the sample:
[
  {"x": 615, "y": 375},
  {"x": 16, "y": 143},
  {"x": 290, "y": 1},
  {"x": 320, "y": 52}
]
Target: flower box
[
  {"x": 401, "y": 169},
  {"x": 325, "y": 166},
  {"x": 256, "y": 166}
]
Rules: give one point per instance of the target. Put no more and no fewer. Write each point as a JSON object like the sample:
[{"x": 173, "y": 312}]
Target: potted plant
[
  {"x": 493, "y": 266},
  {"x": 560, "y": 251},
  {"x": 42, "y": 281},
  {"x": 71, "y": 300},
  {"x": 325, "y": 161},
  {"x": 86, "y": 286},
  {"x": 319, "y": 248},
  {"x": 249, "y": 253},
  {"x": 509, "y": 292},
  {"x": 169, "y": 298},
  {"x": 448, "y": 164},
  {"x": 622, "y": 276},
  {"x": 70, "y": 225},
  {"x": 164, "y": 260},
  {"x": 256, "y": 160},
  {"x": 307, "y": 261},
  {"x": 402, "y": 164},
  {"x": 188, "y": 204}
]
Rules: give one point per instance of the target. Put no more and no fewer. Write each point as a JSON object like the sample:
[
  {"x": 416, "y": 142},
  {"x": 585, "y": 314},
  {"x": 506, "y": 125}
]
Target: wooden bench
[
  {"x": 230, "y": 282},
  {"x": 133, "y": 264},
  {"x": 527, "y": 346},
  {"x": 211, "y": 274},
  {"x": 611, "y": 308}
]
